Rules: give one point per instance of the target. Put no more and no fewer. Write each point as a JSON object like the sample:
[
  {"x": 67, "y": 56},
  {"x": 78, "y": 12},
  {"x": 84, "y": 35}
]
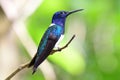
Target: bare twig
[
  {"x": 60, "y": 49},
  {"x": 17, "y": 70},
  {"x": 26, "y": 64}
]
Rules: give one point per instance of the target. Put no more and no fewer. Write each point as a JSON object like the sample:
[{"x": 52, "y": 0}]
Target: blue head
[{"x": 60, "y": 16}]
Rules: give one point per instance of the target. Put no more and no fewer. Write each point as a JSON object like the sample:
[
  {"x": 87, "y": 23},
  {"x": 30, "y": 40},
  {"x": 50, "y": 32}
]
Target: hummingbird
[{"x": 51, "y": 38}]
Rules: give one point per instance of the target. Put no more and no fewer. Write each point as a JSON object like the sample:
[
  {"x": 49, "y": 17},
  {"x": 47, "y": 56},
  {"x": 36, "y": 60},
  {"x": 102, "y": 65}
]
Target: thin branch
[
  {"x": 26, "y": 64},
  {"x": 60, "y": 49},
  {"x": 17, "y": 70}
]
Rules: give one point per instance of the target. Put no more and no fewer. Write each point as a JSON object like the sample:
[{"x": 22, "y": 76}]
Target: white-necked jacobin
[{"x": 51, "y": 38}]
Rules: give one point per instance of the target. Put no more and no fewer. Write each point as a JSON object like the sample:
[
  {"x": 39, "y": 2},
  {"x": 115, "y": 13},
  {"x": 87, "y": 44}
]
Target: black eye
[{"x": 62, "y": 12}]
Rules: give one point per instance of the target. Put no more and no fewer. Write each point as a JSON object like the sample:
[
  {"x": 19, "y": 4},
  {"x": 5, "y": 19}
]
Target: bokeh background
[{"x": 94, "y": 54}]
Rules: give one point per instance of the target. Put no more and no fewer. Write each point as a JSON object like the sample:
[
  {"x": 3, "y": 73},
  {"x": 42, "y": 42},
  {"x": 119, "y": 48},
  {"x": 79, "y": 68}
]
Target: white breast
[{"x": 60, "y": 39}]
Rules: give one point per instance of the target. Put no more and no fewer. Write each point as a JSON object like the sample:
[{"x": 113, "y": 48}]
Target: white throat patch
[{"x": 52, "y": 24}]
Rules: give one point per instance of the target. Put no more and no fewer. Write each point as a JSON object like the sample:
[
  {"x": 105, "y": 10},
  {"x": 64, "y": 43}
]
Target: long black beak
[{"x": 70, "y": 12}]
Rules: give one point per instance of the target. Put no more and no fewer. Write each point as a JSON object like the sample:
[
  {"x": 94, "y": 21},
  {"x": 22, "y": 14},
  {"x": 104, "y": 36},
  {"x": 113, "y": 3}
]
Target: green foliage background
[{"x": 92, "y": 56}]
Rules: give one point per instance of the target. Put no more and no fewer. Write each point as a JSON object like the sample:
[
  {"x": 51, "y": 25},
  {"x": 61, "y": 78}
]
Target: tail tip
[{"x": 34, "y": 70}]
